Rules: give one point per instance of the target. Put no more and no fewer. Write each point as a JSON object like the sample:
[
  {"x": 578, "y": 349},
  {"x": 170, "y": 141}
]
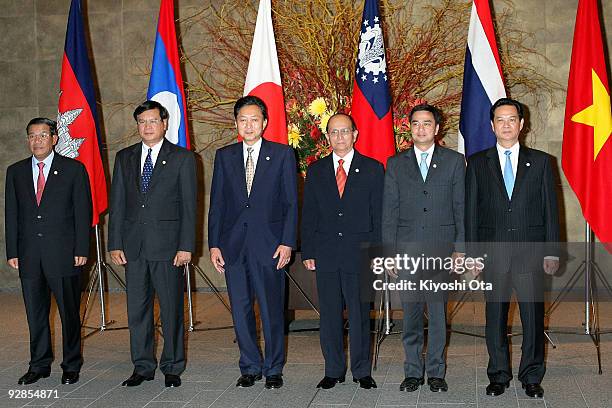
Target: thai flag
[
  {"x": 371, "y": 106},
  {"x": 166, "y": 82},
  {"x": 77, "y": 118},
  {"x": 483, "y": 82},
  {"x": 263, "y": 75}
]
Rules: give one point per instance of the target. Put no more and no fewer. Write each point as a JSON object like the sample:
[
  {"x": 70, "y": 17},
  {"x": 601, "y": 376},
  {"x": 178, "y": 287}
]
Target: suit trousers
[
  {"x": 333, "y": 288},
  {"x": 37, "y": 298},
  {"x": 528, "y": 289},
  {"x": 248, "y": 280},
  {"x": 144, "y": 279}
]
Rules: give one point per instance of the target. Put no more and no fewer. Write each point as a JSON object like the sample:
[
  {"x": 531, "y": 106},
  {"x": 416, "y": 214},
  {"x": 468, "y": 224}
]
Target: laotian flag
[
  {"x": 166, "y": 82},
  {"x": 77, "y": 119},
  {"x": 371, "y": 106},
  {"x": 483, "y": 82},
  {"x": 263, "y": 76}
]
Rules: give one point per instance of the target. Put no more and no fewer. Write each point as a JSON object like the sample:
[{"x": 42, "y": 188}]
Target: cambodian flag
[
  {"x": 483, "y": 82},
  {"x": 263, "y": 76},
  {"x": 166, "y": 82},
  {"x": 371, "y": 106},
  {"x": 77, "y": 118}
]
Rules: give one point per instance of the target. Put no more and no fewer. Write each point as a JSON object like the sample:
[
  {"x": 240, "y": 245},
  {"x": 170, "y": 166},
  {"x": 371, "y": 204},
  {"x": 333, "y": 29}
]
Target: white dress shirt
[
  {"x": 417, "y": 153},
  {"x": 154, "y": 153},
  {"x": 254, "y": 154},
  {"x": 348, "y": 158},
  {"x": 46, "y": 168}
]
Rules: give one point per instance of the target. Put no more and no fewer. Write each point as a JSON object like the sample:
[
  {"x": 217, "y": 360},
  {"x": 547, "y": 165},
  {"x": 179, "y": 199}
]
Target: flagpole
[
  {"x": 588, "y": 249},
  {"x": 100, "y": 278}
]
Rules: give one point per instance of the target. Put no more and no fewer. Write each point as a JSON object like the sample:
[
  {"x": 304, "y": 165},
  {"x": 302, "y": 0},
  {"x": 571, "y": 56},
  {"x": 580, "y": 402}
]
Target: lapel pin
[
  {"x": 55, "y": 172},
  {"x": 356, "y": 170},
  {"x": 268, "y": 158},
  {"x": 527, "y": 164},
  {"x": 163, "y": 162},
  {"x": 434, "y": 165}
]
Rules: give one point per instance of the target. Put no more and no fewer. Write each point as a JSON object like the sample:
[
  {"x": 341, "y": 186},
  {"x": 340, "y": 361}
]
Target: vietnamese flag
[
  {"x": 263, "y": 76},
  {"x": 587, "y": 146},
  {"x": 371, "y": 106},
  {"x": 77, "y": 118}
]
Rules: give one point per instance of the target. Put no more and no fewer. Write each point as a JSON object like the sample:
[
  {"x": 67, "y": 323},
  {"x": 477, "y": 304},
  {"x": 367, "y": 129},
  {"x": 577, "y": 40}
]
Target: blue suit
[{"x": 248, "y": 229}]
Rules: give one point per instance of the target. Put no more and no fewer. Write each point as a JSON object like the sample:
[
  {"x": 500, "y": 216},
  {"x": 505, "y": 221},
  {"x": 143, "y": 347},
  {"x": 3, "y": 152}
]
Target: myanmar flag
[{"x": 587, "y": 145}]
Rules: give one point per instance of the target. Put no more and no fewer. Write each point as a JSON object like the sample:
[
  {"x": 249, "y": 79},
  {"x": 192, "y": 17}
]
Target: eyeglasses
[
  {"x": 153, "y": 122},
  {"x": 41, "y": 136},
  {"x": 343, "y": 132}
]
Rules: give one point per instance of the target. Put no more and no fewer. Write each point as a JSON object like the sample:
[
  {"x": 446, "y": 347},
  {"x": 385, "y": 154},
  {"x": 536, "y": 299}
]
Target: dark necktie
[
  {"x": 147, "y": 171},
  {"x": 341, "y": 177},
  {"x": 40, "y": 182}
]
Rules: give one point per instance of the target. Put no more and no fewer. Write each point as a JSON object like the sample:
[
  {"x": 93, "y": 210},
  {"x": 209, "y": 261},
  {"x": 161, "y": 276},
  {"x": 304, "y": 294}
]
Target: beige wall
[{"x": 122, "y": 32}]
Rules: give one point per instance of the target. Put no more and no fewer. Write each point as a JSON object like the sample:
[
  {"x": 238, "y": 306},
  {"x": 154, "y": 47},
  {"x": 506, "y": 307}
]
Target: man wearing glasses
[
  {"x": 342, "y": 211},
  {"x": 48, "y": 220},
  {"x": 152, "y": 233}
]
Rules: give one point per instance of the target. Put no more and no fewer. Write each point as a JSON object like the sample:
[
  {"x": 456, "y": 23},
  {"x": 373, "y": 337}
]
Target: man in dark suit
[
  {"x": 423, "y": 210},
  {"x": 252, "y": 223},
  {"x": 342, "y": 211},
  {"x": 511, "y": 201},
  {"x": 152, "y": 233},
  {"x": 48, "y": 221}
]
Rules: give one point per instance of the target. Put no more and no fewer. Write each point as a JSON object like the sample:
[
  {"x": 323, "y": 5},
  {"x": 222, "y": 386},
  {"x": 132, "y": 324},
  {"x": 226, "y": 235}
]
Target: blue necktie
[
  {"x": 508, "y": 174},
  {"x": 147, "y": 171},
  {"x": 423, "y": 165}
]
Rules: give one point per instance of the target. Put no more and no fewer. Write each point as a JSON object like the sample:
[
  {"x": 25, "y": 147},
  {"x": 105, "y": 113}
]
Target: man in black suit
[
  {"x": 342, "y": 210},
  {"x": 152, "y": 233},
  {"x": 48, "y": 220},
  {"x": 252, "y": 224},
  {"x": 423, "y": 211},
  {"x": 511, "y": 201}
]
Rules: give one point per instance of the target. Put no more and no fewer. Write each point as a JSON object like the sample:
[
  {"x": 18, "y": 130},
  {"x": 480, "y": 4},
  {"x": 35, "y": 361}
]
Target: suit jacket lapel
[
  {"x": 523, "y": 167},
  {"x": 28, "y": 174},
  {"x": 353, "y": 174},
  {"x": 329, "y": 177},
  {"x": 237, "y": 167},
  {"x": 432, "y": 172},
  {"x": 134, "y": 165},
  {"x": 413, "y": 165},
  {"x": 53, "y": 178},
  {"x": 165, "y": 153},
  {"x": 263, "y": 164},
  {"x": 495, "y": 167}
]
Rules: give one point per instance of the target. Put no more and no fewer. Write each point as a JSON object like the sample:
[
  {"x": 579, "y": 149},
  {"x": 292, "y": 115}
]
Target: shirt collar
[
  {"x": 514, "y": 149},
  {"x": 429, "y": 151},
  {"x": 48, "y": 160},
  {"x": 348, "y": 158},
  {"x": 256, "y": 147},
  {"x": 154, "y": 149}
]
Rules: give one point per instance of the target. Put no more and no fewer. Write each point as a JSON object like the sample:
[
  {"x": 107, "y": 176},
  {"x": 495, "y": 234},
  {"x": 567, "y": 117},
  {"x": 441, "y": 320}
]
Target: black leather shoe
[
  {"x": 330, "y": 382},
  {"x": 135, "y": 380},
  {"x": 70, "y": 377},
  {"x": 31, "y": 377},
  {"x": 437, "y": 384},
  {"x": 366, "y": 382},
  {"x": 494, "y": 389},
  {"x": 247, "y": 380},
  {"x": 172, "y": 380},
  {"x": 534, "y": 390},
  {"x": 274, "y": 381},
  {"x": 411, "y": 384}
]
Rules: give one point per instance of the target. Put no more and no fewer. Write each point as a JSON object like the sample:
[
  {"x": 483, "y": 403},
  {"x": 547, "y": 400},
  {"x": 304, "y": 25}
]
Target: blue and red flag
[
  {"x": 371, "y": 106},
  {"x": 166, "y": 82},
  {"x": 483, "y": 82},
  {"x": 77, "y": 119}
]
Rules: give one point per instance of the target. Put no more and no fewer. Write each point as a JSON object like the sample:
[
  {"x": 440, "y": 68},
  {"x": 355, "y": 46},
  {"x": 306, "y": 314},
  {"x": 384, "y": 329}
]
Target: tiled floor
[{"x": 209, "y": 381}]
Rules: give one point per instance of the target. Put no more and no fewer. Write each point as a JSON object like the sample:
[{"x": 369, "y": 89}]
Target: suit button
[
  {"x": 340, "y": 214},
  {"x": 40, "y": 234},
  {"x": 425, "y": 192},
  {"x": 509, "y": 229},
  {"x": 339, "y": 234},
  {"x": 247, "y": 206},
  {"x": 424, "y": 209},
  {"x": 509, "y": 209},
  {"x": 143, "y": 206},
  {"x": 39, "y": 216}
]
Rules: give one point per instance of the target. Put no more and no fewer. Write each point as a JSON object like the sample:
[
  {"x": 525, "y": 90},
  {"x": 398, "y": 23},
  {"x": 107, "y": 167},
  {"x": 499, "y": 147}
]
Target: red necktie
[
  {"x": 40, "y": 183},
  {"x": 340, "y": 177}
]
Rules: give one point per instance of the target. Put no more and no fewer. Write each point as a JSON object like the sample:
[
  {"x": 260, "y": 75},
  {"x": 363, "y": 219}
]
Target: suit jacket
[
  {"x": 425, "y": 211},
  {"x": 334, "y": 228},
  {"x": 262, "y": 220},
  {"x": 161, "y": 222},
  {"x": 53, "y": 233},
  {"x": 530, "y": 216}
]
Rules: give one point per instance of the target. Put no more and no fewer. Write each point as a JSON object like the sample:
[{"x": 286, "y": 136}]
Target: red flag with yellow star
[{"x": 587, "y": 145}]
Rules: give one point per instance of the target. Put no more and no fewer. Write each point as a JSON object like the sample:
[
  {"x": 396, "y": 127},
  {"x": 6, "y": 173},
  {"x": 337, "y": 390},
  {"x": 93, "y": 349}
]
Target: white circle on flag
[{"x": 170, "y": 102}]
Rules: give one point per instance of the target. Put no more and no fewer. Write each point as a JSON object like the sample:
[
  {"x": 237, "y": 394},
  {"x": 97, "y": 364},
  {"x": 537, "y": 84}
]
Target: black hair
[
  {"x": 43, "y": 121},
  {"x": 353, "y": 126},
  {"x": 504, "y": 102},
  {"x": 427, "y": 108},
  {"x": 148, "y": 105},
  {"x": 250, "y": 100}
]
